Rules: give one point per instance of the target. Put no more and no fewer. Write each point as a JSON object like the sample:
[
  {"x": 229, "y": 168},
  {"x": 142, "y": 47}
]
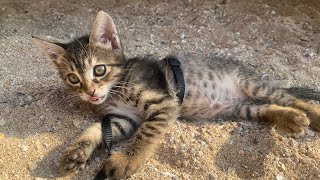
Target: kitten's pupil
[
  {"x": 99, "y": 70},
  {"x": 73, "y": 78}
]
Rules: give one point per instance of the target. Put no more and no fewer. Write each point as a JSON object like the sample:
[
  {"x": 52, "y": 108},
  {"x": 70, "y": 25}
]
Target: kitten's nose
[{"x": 91, "y": 93}]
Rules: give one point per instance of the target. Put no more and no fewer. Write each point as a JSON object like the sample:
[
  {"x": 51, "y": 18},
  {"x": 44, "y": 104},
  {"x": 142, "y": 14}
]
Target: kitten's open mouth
[{"x": 96, "y": 98}]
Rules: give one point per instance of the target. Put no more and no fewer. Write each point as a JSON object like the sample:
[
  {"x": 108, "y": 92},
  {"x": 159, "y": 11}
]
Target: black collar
[{"x": 178, "y": 76}]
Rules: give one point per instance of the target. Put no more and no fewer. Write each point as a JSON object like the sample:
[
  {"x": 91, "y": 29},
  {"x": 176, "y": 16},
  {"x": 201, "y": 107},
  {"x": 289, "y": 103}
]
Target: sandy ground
[{"x": 278, "y": 38}]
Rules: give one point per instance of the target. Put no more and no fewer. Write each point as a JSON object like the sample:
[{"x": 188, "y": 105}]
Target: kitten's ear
[
  {"x": 104, "y": 33},
  {"x": 53, "y": 51}
]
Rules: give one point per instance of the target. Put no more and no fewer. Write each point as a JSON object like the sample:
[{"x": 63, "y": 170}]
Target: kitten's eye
[
  {"x": 99, "y": 70},
  {"x": 73, "y": 78}
]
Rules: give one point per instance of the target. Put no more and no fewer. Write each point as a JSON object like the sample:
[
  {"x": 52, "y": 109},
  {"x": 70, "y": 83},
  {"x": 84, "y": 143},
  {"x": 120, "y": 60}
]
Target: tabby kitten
[{"x": 139, "y": 94}]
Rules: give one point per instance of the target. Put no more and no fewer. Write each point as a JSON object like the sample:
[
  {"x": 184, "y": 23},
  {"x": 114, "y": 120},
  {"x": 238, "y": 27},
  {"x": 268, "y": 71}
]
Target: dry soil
[{"x": 278, "y": 38}]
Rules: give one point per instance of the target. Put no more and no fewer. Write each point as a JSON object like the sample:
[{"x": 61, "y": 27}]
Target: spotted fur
[{"x": 139, "y": 96}]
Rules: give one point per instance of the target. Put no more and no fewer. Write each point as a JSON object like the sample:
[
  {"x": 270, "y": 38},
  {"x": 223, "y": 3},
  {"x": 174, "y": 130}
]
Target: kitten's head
[{"x": 90, "y": 65}]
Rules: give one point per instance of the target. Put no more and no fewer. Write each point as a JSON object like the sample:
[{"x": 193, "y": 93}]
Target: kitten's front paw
[
  {"x": 76, "y": 155},
  {"x": 120, "y": 166}
]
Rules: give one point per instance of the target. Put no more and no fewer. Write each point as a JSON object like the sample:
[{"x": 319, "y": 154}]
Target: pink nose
[{"x": 91, "y": 93}]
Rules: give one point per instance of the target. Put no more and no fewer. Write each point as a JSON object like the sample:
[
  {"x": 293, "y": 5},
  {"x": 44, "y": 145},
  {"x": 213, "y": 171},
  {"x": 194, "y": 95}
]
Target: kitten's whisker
[
  {"x": 120, "y": 94},
  {"x": 125, "y": 83},
  {"x": 122, "y": 87},
  {"x": 116, "y": 99}
]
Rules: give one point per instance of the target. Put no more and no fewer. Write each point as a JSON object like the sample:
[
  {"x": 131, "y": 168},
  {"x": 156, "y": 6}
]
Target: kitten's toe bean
[
  {"x": 73, "y": 157},
  {"x": 76, "y": 155},
  {"x": 70, "y": 166}
]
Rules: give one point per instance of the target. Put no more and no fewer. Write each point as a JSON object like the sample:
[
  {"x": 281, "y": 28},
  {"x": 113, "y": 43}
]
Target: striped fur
[{"x": 138, "y": 95}]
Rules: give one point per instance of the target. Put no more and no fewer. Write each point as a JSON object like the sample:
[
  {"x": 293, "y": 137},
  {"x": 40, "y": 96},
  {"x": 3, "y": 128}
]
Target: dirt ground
[{"x": 280, "y": 39}]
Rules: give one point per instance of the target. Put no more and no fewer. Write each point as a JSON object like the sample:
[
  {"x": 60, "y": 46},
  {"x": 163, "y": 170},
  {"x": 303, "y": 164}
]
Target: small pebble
[
  {"x": 312, "y": 155},
  {"x": 2, "y": 122},
  {"x": 231, "y": 170},
  {"x": 24, "y": 148},
  {"x": 38, "y": 178},
  {"x": 32, "y": 167},
  {"x": 178, "y": 163},
  {"x": 28, "y": 98},
  {"x": 310, "y": 133},
  {"x": 51, "y": 176},
  {"x": 45, "y": 145},
  {"x": 77, "y": 123},
  {"x": 212, "y": 177},
  {"x": 168, "y": 174},
  {"x": 280, "y": 177},
  {"x": 183, "y": 35}
]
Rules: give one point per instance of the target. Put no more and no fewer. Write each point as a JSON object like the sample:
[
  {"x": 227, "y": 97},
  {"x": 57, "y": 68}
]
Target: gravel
[{"x": 280, "y": 40}]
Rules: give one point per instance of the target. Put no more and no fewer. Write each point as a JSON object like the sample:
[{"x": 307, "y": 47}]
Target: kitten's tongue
[{"x": 94, "y": 98}]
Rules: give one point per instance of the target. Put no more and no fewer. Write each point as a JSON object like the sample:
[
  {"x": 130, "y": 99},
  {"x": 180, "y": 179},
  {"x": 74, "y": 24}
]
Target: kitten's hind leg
[
  {"x": 259, "y": 90},
  {"x": 286, "y": 118},
  {"x": 263, "y": 91},
  {"x": 76, "y": 155}
]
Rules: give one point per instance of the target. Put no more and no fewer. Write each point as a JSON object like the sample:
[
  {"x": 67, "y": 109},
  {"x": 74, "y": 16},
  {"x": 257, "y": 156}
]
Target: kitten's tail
[{"x": 304, "y": 93}]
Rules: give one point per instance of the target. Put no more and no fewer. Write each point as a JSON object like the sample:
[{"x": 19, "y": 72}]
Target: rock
[
  {"x": 265, "y": 77},
  {"x": 231, "y": 170},
  {"x": 38, "y": 178},
  {"x": 283, "y": 167},
  {"x": 280, "y": 177},
  {"x": 2, "y": 122},
  {"x": 293, "y": 143},
  {"x": 77, "y": 123},
  {"x": 45, "y": 145},
  {"x": 42, "y": 102},
  {"x": 212, "y": 177},
  {"x": 13, "y": 82},
  {"x": 168, "y": 174},
  {"x": 24, "y": 148},
  {"x": 241, "y": 152},
  {"x": 2, "y": 136},
  {"x": 310, "y": 133},
  {"x": 312, "y": 155},
  {"x": 32, "y": 167},
  {"x": 182, "y": 35},
  {"x": 28, "y": 98},
  {"x": 177, "y": 163}
]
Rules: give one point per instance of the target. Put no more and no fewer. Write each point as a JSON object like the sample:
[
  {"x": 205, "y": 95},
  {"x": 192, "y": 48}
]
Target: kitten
[{"x": 139, "y": 94}]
